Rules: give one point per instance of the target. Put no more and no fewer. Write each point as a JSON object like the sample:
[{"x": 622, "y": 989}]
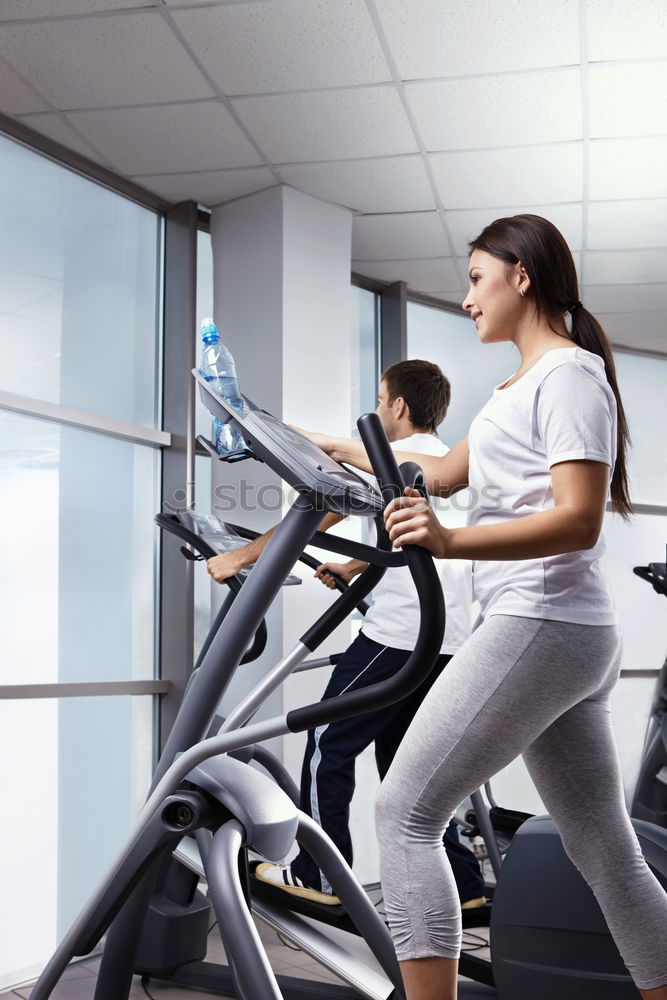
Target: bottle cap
[{"x": 209, "y": 330}]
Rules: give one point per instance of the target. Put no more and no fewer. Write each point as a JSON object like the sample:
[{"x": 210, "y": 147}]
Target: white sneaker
[{"x": 281, "y": 877}]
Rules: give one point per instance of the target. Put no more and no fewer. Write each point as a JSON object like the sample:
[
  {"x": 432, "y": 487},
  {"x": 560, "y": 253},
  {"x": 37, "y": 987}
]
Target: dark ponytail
[
  {"x": 546, "y": 257},
  {"x": 587, "y": 333}
]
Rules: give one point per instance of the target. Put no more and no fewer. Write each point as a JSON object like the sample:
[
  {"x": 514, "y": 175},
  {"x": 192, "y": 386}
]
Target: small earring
[{"x": 522, "y": 292}]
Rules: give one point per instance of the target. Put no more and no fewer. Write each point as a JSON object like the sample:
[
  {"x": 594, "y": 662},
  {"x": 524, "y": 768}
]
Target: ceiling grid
[{"x": 425, "y": 118}]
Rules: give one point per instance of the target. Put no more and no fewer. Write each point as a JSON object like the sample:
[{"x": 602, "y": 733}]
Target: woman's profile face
[{"x": 493, "y": 300}]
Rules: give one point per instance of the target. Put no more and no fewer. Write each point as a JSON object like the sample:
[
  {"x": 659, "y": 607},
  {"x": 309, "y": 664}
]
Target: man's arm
[
  {"x": 346, "y": 571},
  {"x": 230, "y": 563}
]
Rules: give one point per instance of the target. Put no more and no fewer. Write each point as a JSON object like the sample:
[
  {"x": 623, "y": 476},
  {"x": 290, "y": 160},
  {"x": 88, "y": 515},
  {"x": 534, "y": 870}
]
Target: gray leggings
[{"x": 540, "y": 689}]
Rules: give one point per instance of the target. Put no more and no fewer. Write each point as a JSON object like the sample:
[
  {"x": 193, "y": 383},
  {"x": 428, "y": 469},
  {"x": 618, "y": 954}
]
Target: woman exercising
[{"x": 536, "y": 675}]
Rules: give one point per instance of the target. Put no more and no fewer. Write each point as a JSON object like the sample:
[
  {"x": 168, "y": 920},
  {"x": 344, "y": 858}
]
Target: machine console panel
[{"x": 222, "y": 538}]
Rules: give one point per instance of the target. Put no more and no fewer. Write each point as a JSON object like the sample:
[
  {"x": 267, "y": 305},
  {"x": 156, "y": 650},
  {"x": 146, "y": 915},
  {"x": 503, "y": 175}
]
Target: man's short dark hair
[{"x": 423, "y": 387}]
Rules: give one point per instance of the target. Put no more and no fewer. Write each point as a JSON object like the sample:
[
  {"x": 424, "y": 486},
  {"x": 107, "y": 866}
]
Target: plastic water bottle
[{"x": 218, "y": 368}]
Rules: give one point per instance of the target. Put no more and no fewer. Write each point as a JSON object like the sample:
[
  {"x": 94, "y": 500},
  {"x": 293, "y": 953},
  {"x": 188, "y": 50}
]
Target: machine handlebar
[{"x": 429, "y": 591}]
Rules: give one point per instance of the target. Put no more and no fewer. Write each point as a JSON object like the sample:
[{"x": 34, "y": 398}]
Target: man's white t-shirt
[
  {"x": 562, "y": 409},
  {"x": 393, "y": 619}
]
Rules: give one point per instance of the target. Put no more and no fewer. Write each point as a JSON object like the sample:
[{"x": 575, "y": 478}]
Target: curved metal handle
[{"x": 431, "y": 607}]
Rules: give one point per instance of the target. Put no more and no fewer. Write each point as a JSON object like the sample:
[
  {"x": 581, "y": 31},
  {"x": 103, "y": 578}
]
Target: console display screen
[{"x": 312, "y": 453}]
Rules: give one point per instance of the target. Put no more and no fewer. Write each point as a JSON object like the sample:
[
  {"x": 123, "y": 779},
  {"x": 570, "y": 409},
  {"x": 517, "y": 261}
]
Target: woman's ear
[{"x": 522, "y": 279}]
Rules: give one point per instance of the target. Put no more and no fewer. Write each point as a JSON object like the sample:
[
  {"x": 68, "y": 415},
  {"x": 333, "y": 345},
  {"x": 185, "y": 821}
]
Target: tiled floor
[{"x": 78, "y": 983}]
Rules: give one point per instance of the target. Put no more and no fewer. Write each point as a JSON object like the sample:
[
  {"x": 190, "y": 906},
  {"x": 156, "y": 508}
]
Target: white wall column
[{"x": 282, "y": 300}]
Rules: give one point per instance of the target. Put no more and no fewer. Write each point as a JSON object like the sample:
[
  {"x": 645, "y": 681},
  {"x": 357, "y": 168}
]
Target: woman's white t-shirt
[
  {"x": 393, "y": 618},
  {"x": 561, "y": 410}
]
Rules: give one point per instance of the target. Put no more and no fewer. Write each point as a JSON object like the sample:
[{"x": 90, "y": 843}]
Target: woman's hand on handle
[{"x": 410, "y": 521}]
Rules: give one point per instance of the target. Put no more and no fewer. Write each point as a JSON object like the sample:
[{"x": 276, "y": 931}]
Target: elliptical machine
[
  {"x": 200, "y": 789},
  {"x": 548, "y": 935},
  {"x": 650, "y": 798}
]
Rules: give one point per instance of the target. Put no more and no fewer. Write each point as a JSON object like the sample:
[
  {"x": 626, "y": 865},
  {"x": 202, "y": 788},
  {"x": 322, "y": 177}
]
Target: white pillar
[{"x": 282, "y": 300}]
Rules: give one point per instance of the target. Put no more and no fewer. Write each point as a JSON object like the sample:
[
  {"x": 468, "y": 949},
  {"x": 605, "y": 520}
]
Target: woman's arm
[
  {"x": 574, "y": 523},
  {"x": 445, "y": 475}
]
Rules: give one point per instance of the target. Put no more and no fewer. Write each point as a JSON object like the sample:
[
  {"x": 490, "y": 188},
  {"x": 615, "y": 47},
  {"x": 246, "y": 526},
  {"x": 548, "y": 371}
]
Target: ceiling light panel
[
  {"x": 328, "y": 125},
  {"x": 180, "y": 137},
  {"x": 424, "y": 275},
  {"x": 518, "y": 108},
  {"x": 121, "y": 59},
  {"x": 628, "y": 168},
  {"x": 383, "y": 237},
  {"x": 14, "y": 9},
  {"x": 208, "y": 188},
  {"x": 395, "y": 184},
  {"x": 538, "y": 175},
  {"x": 465, "y": 226},
  {"x": 628, "y": 99},
  {"x": 278, "y": 45},
  {"x": 626, "y": 224},
  {"x": 618, "y": 267},
  {"x": 621, "y": 30},
  {"x": 429, "y": 38}
]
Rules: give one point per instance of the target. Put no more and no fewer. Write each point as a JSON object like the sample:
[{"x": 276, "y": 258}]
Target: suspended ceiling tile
[
  {"x": 465, "y": 226},
  {"x": 15, "y": 9},
  {"x": 207, "y": 3},
  {"x": 395, "y": 184},
  {"x": 16, "y": 97},
  {"x": 538, "y": 175},
  {"x": 624, "y": 298},
  {"x": 209, "y": 188},
  {"x": 277, "y": 45},
  {"x": 612, "y": 267},
  {"x": 453, "y": 297},
  {"x": 178, "y": 137},
  {"x": 628, "y": 168},
  {"x": 430, "y": 38},
  {"x": 385, "y": 237},
  {"x": 621, "y": 30},
  {"x": 328, "y": 125},
  {"x": 518, "y": 108},
  {"x": 422, "y": 275},
  {"x": 628, "y": 99},
  {"x": 58, "y": 130},
  {"x": 104, "y": 61},
  {"x": 624, "y": 224}
]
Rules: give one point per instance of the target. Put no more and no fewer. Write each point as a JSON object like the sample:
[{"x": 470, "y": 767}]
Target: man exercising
[{"x": 412, "y": 402}]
